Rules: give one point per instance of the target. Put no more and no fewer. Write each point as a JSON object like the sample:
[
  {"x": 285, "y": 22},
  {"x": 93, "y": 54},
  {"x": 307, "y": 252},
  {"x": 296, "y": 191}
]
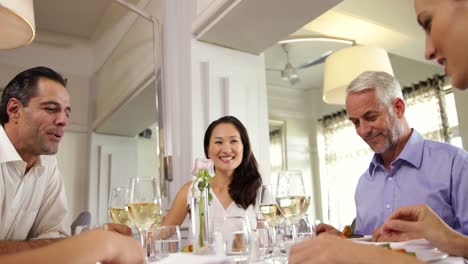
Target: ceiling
[
  {"x": 74, "y": 18},
  {"x": 80, "y": 19},
  {"x": 239, "y": 28},
  {"x": 387, "y": 24}
]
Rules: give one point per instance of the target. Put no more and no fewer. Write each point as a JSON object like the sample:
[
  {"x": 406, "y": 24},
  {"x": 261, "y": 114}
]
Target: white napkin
[
  {"x": 178, "y": 258},
  {"x": 413, "y": 245}
]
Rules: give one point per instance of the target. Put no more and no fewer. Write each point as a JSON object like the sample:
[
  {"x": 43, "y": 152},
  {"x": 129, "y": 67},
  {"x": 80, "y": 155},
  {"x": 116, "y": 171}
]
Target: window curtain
[
  {"x": 426, "y": 99},
  {"x": 347, "y": 156}
]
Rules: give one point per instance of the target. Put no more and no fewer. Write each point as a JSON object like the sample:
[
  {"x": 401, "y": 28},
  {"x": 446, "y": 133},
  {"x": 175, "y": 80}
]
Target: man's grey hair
[{"x": 386, "y": 86}]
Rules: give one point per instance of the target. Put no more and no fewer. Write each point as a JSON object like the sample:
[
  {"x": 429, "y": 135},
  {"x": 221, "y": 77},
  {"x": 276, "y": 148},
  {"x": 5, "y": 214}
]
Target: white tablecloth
[
  {"x": 190, "y": 258},
  {"x": 451, "y": 260}
]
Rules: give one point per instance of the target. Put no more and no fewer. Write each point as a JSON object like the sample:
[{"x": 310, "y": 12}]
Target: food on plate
[
  {"x": 401, "y": 250},
  {"x": 347, "y": 232},
  {"x": 187, "y": 249}
]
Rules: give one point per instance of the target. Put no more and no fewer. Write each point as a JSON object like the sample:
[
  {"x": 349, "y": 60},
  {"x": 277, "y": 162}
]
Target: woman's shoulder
[{"x": 186, "y": 187}]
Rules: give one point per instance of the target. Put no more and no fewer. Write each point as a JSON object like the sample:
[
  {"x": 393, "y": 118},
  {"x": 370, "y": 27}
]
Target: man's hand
[
  {"x": 121, "y": 229},
  {"x": 14, "y": 246},
  {"x": 421, "y": 221},
  {"x": 379, "y": 236},
  {"x": 332, "y": 249},
  {"x": 89, "y": 247},
  {"x": 328, "y": 229}
]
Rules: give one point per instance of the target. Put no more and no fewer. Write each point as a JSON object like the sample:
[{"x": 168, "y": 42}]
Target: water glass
[
  {"x": 305, "y": 229},
  {"x": 167, "y": 241},
  {"x": 236, "y": 235},
  {"x": 216, "y": 236},
  {"x": 261, "y": 237}
]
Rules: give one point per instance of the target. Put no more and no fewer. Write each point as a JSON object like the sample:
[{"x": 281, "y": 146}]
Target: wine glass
[
  {"x": 291, "y": 197},
  {"x": 270, "y": 211},
  {"x": 144, "y": 206},
  {"x": 118, "y": 210}
]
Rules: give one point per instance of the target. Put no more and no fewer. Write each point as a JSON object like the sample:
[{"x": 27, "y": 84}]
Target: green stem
[{"x": 202, "y": 223}]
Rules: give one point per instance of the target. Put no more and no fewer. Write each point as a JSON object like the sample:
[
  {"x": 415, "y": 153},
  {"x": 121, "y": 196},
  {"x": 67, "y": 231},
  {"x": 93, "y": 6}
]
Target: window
[
  {"x": 346, "y": 156},
  {"x": 277, "y": 145}
]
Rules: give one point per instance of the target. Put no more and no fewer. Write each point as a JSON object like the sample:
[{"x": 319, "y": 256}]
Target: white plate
[
  {"x": 413, "y": 245},
  {"x": 430, "y": 255},
  {"x": 424, "y": 250},
  {"x": 366, "y": 238}
]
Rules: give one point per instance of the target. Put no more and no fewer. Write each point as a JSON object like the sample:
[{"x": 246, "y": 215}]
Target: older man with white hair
[{"x": 406, "y": 168}]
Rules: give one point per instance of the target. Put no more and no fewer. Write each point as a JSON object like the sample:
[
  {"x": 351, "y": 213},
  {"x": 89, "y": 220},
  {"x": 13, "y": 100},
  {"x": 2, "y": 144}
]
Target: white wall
[
  {"x": 73, "y": 164},
  {"x": 148, "y": 160}
]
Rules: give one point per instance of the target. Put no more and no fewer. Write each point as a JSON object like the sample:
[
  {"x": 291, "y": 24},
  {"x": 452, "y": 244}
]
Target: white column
[{"x": 176, "y": 94}]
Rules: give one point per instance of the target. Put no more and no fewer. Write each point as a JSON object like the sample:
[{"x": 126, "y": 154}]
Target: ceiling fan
[{"x": 290, "y": 72}]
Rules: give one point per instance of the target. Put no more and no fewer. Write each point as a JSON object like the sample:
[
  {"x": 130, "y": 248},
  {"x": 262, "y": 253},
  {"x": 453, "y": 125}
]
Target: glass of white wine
[
  {"x": 270, "y": 211},
  {"x": 291, "y": 197},
  {"x": 118, "y": 210},
  {"x": 144, "y": 206}
]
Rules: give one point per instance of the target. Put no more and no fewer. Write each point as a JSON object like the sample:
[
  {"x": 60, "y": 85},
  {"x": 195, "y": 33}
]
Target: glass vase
[{"x": 199, "y": 208}]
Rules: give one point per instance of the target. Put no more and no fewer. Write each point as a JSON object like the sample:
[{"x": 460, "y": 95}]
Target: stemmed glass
[
  {"x": 144, "y": 206},
  {"x": 118, "y": 210},
  {"x": 291, "y": 197},
  {"x": 270, "y": 211}
]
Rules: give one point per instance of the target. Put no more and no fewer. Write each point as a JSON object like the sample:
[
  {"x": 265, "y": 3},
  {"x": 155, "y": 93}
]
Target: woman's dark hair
[
  {"x": 24, "y": 86},
  {"x": 246, "y": 179}
]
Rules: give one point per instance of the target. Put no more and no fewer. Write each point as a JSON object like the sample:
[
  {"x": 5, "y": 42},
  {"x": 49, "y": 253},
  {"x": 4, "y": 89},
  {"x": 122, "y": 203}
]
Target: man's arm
[
  {"x": 89, "y": 247},
  {"x": 13, "y": 246},
  {"x": 459, "y": 193}
]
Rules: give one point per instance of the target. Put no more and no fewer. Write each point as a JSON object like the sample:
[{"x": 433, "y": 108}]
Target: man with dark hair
[{"x": 34, "y": 110}]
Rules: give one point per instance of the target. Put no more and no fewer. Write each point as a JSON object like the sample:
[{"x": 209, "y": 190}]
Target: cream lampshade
[
  {"x": 342, "y": 66},
  {"x": 17, "y": 27}
]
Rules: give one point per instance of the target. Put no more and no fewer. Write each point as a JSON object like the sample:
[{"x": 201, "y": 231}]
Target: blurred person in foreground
[{"x": 89, "y": 247}]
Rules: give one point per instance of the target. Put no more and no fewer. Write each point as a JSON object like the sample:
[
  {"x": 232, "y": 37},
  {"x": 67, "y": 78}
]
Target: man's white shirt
[{"x": 32, "y": 205}]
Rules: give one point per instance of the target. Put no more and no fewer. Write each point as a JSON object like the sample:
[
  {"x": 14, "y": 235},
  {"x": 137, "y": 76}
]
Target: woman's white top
[{"x": 217, "y": 213}]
